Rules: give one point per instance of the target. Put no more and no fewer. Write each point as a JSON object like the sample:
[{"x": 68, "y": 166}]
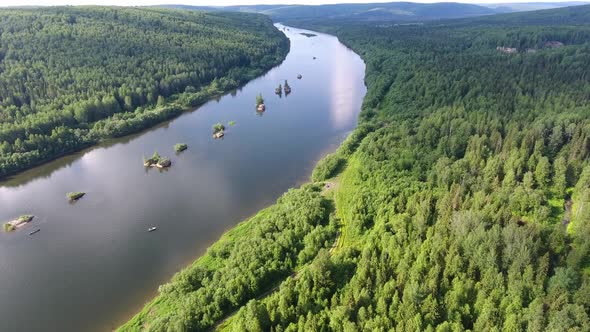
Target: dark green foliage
[
  {"x": 465, "y": 198},
  {"x": 218, "y": 127},
  {"x": 157, "y": 160},
  {"x": 72, "y": 76},
  {"x": 180, "y": 147}
]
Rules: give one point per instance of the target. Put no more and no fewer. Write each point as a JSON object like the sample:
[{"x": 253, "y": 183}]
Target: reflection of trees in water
[
  {"x": 47, "y": 169},
  {"x": 40, "y": 172}
]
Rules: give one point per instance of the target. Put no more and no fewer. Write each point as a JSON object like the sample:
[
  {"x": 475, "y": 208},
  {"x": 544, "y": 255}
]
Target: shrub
[
  {"x": 218, "y": 127},
  {"x": 328, "y": 167},
  {"x": 180, "y": 147}
]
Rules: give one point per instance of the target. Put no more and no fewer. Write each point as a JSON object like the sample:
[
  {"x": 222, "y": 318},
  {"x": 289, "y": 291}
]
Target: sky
[{"x": 220, "y": 2}]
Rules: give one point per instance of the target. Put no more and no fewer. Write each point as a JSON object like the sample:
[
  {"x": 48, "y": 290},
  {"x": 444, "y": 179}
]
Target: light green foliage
[
  {"x": 73, "y": 196},
  {"x": 328, "y": 167},
  {"x": 243, "y": 264},
  {"x": 218, "y": 127}
]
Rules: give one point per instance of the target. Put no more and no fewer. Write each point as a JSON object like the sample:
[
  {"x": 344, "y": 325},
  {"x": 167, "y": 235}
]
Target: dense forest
[
  {"x": 72, "y": 76},
  {"x": 461, "y": 201}
]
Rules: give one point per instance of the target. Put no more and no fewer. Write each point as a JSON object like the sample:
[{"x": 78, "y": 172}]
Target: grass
[
  {"x": 158, "y": 305},
  {"x": 12, "y": 225},
  {"x": 556, "y": 206},
  {"x": 8, "y": 227},
  {"x": 74, "y": 196}
]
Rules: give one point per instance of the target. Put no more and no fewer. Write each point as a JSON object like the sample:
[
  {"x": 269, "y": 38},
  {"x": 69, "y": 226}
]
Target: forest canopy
[
  {"x": 460, "y": 202},
  {"x": 72, "y": 76},
  {"x": 465, "y": 204}
]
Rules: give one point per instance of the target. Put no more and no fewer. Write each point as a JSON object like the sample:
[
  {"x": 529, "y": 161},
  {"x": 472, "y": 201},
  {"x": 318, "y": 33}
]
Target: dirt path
[{"x": 567, "y": 211}]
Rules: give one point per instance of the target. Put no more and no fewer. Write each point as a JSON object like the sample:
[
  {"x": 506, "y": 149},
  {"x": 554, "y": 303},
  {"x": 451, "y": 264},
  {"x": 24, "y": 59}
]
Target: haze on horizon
[{"x": 6, "y": 3}]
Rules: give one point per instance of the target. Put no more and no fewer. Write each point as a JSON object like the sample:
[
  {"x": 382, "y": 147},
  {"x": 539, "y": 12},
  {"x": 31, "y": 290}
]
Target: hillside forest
[
  {"x": 461, "y": 201},
  {"x": 73, "y": 76}
]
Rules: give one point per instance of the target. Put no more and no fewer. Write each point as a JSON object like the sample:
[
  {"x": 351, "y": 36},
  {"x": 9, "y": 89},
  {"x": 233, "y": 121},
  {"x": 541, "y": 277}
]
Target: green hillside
[
  {"x": 464, "y": 197},
  {"x": 72, "y": 76},
  {"x": 461, "y": 201}
]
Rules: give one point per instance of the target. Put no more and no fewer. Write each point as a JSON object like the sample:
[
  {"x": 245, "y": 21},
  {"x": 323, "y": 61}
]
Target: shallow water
[{"x": 93, "y": 264}]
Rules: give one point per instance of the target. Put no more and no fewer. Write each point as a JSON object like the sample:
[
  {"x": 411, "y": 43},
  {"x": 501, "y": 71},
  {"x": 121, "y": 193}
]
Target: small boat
[
  {"x": 35, "y": 231},
  {"x": 151, "y": 229},
  {"x": 314, "y": 58},
  {"x": 299, "y": 76}
]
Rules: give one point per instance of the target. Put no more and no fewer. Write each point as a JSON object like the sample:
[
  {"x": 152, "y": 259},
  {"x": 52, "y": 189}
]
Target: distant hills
[
  {"x": 557, "y": 16},
  {"x": 391, "y": 11},
  {"x": 528, "y": 6}
]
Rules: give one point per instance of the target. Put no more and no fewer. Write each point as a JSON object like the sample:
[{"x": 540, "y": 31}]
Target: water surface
[{"x": 93, "y": 264}]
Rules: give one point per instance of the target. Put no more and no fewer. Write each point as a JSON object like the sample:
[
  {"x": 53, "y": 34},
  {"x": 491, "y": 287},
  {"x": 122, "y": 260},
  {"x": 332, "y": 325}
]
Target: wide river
[{"x": 93, "y": 264}]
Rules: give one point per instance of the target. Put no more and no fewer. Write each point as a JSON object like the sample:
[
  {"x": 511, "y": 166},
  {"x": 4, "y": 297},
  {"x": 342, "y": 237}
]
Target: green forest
[
  {"x": 460, "y": 202},
  {"x": 73, "y": 76}
]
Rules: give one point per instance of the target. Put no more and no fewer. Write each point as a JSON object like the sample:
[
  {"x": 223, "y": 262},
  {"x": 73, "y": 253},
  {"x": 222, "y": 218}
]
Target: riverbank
[
  {"x": 47, "y": 130},
  {"x": 211, "y": 187},
  {"x": 201, "y": 278},
  {"x": 426, "y": 220},
  {"x": 125, "y": 124},
  {"x": 243, "y": 263},
  {"x": 199, "y": 283}
]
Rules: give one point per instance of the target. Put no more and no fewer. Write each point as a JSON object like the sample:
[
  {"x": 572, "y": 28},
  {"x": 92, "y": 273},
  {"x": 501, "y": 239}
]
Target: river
[{"x": 93, "y": 264}]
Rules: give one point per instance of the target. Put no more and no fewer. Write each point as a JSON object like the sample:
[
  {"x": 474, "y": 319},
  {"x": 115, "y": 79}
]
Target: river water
[{"x": 93, "y": 264}]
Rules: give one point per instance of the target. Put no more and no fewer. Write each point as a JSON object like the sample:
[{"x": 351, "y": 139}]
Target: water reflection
[
  {"x": 343, "y": 89},
  {"x": 94, "y": 261}
]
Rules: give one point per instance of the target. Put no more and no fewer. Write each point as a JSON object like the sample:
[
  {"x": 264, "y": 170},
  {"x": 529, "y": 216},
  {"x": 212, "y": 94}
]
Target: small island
[
  {"x": 74, "y": 196},
  {"x": 218, "y": 130},
  {"x": 260, "y": 107},
  {"x": 299, "y": 76},
  {"x": 18, "y": 223},
  {"x": 231, "y": 123},
  {"x": 279, "y": 90},
  {"x": 287, "y": 88},
  {"x": 308, "y": 35},
  {"x": 157, "y": 161},
  {"x": 180, "y": 147}
]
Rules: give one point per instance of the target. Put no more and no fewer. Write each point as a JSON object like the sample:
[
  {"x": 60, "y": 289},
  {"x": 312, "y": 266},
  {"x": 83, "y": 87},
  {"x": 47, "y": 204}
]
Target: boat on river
[
  {"x": 35, "y": 231},
  {"x": 151, "y": 229}
]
